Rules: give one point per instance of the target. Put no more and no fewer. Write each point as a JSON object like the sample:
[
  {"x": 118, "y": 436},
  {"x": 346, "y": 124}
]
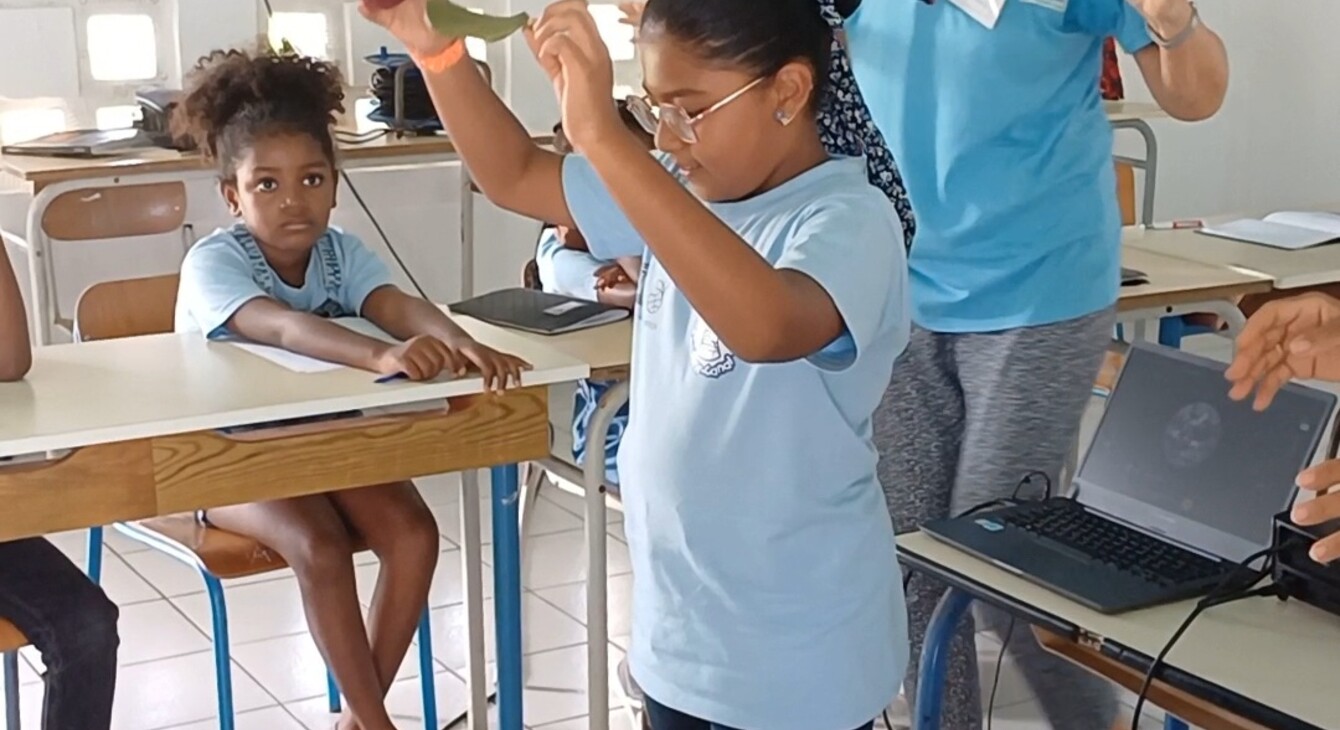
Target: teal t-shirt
[{"x": 1006, "y": 153}]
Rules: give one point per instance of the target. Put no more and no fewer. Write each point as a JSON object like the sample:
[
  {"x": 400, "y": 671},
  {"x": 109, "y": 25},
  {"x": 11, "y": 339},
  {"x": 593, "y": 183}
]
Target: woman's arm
[
  {"x": 1190, "y": 80},
  {"x": 16, "y": 354},
  {"x": 505, "y": 163}
]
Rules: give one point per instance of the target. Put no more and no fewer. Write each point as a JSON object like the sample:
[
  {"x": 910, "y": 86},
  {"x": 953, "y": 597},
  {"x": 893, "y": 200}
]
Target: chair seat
[
  {"x": 224, "y": 554},
  {"x": 10, "y": 637},
  {"x": 1107, "y": 374}
]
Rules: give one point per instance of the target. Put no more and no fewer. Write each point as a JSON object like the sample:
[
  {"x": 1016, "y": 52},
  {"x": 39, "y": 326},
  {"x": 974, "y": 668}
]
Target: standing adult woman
[{"x": 992, "y": 110}]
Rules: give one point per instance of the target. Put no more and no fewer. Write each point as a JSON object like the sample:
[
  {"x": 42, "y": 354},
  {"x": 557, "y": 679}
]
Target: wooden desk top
[
  {"x": 1286, "y": 269},
  {"x": 43, "y": 171},
  {"x": 119, "y": 390},
  {"x": 1174, "y": 281},
  {"x": 1281, "y": 655}
]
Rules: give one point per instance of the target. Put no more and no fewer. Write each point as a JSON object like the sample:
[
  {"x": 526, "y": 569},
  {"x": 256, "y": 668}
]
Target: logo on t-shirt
[{"x": 710, "y": 358}]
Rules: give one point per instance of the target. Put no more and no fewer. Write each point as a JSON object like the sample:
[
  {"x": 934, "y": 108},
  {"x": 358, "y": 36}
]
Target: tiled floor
[{"x": 166, "y": 677}]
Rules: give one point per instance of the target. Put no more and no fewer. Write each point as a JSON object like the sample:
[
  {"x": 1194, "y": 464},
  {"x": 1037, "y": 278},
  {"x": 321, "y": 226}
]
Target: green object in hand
[{"x": 454, "y": 21}]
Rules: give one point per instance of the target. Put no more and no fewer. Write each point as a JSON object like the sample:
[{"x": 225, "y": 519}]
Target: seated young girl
[
  {"x": 772, "y": 304},
  {"x": 278, "y": 277},
  {"x": 44, "y": 595},
  {"x": 565, "y": 265}
]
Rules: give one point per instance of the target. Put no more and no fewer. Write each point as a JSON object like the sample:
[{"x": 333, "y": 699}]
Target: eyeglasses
[{"x": 652, "y": 116}]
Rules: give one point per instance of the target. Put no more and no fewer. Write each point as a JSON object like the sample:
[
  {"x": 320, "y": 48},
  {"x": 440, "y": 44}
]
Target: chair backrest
[
  {"x": 127, "y": 308},
  {"x": 119, "y": 211},
  {"x": 1126, "y": 193}
]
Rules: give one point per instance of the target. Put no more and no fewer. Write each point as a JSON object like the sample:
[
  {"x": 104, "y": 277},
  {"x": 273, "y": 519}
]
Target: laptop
[{"x": 1179, "y": 486}]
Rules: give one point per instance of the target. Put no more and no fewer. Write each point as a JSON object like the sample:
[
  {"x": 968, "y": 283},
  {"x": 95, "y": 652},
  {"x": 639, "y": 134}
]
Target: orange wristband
[{"x": 443, "y": 59}]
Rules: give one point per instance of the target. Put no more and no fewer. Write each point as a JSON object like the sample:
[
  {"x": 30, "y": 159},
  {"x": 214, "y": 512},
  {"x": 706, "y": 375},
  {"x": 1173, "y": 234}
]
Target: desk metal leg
[
  {"x": 507, "y": 592},
  {"x": 472, "y": 560},
  {"x": 597, "y": 606},
  {"x": 11, "y": 671},
  {"x": 935, "y": 657}
]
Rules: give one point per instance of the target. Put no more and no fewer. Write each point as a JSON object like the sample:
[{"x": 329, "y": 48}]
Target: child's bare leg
[
  {"x": 310, "y": 534},
  {"x": 399, "y": 528}
]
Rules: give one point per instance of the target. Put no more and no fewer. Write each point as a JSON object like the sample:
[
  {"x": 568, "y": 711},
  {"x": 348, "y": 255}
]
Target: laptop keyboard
[{"x": 1116, "y": 545}]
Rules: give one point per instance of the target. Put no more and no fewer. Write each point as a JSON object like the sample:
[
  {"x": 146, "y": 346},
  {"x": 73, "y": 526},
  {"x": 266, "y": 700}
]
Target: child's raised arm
[
  {"x": 16, "y": 354},
  {"x": 505, "y": 163}
]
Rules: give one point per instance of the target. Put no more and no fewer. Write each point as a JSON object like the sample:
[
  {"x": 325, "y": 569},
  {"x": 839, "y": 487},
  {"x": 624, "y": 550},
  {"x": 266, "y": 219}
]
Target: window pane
[
  {"x": 122, "y": 47},
  {"x": 117, "y": 117},
  {"x": 309, "y": 33},
  {"x": 22, "y": 125},
  {"x": 618, "y": 36}
]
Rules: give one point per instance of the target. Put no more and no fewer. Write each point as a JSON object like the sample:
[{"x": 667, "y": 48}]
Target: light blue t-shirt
[
  {"x": 225, "y": 270},
  {"x": 564, "y": 270},
  {"x": 1006, "y": 152},
  {"x": 766, "y": 591}
]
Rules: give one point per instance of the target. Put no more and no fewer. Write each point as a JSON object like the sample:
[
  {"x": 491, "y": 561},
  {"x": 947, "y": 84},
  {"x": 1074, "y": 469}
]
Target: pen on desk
[
  {"x": 1182, "y": 225},
  {"x": 391, "y": 378}
]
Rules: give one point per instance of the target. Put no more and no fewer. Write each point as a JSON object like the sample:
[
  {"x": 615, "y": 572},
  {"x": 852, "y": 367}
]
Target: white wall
[{"x": 1276, "y": 143}]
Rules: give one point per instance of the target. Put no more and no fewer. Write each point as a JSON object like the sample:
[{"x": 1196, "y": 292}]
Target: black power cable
[{"x": 382, "y": 233}]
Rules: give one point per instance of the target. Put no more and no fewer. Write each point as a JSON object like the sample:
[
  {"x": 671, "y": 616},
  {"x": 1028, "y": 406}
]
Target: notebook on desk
[
  {"x": 535, "y": 311},
  {"x": 81, "y": 143},
  {"x": 1287, "y": 230}
]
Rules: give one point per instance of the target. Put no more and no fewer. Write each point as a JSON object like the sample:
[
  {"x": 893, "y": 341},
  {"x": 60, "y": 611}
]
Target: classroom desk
[
  {"x": 1286, "y": 269},
  {"x": 121, "y": 430},
  {"x": 51, "y": 177},
  {"x": 1181, "y": 286},
  {"x": 1134, "y": 115},
  {"x": 1267, "y": 661}
]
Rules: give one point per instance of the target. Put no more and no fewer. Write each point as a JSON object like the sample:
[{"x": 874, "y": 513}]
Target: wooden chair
[
  {"x": 11, "y": 640},
  {"x": 138, "y": 307},
  {"x": 1126, "y": 193},
  {"x": 115, "y": 212}
]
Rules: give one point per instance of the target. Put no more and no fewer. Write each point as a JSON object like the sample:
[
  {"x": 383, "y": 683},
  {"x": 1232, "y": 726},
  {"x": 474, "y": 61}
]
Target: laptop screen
[{"x": 1174, "y": 455}]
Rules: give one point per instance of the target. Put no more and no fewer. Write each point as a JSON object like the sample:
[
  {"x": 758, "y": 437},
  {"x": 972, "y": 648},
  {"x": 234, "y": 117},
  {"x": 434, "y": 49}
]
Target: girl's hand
[
  {"x": 419, "y": 358},
  {"x": 1324, "y": 507},
  {"x": 408, "y": 22},
  {"x": 632, "y": 13},
  {"x": 569, "y": 48},
  {"x": 610, "y": 276},
  {"x": 1287, "y": 339},
  {"x": 498, "y": 369}
]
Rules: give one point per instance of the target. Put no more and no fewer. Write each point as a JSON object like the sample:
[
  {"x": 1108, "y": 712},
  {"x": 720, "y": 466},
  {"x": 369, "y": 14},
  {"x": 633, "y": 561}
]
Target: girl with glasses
[{"x": 771, "y": 305}]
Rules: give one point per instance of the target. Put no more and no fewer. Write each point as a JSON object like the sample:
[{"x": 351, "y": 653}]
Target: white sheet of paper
[
  {"x": 303, "y": 364},
  {"x": 287, "y": 360},
  {"x": 986, "y": 12}
]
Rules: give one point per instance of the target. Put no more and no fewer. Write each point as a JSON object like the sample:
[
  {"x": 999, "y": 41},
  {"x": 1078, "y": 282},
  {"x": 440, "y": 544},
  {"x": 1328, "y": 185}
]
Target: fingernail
[
  {"x": 1301, "y": 513},
  {"x": 1307, "y": 479},
  {"x": 1322, "y": 553}
]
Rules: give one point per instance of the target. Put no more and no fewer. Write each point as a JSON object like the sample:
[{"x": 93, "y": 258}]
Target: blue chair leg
[
  {"x": 332, "y": 694},
  {"x": 426, "y": 673},
  {"x": 223, "y": 668},
  {"x": 934, "y": 666},
  {"x": 11, "y": 669},
  {"x": 1172, "y": 723},
  {"x": 95, "y": 541}
]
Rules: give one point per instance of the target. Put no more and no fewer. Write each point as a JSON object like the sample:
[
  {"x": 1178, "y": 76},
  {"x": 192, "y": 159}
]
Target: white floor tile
[
  {"x": 448, "y": 584},
  {"x": 291, "y": 668},
  {"x": 555, "y": 560},
  {"x": 619, "y": 720},
  {"x": 548, "y": 519},
  {"x": 271, "y": 718},
  {"x": 123, "y": 585},
  {"x": 1023, "y": 716},
  {"x": 556, "y": 685},
  {"x": 404, "y": 703},
  {"x": 255, "y": 612},
  {"x": 571, "y": 600},
  {"x": 29, "y": 670},
  {"x": 177, "y": 691},
  {"x": 170, "y": 576},
  {"x": 156, "y": 630},
  {"x": 1013, "y": 688},
  {"x": 74, "y": 543},
  {"x": 616, "y": 531},
  {"x": 440, "y": 488},
  {"x": 543, "y": 628},
  {"x": 120, "y": 544},
  {"x": 576, "y": 504}
]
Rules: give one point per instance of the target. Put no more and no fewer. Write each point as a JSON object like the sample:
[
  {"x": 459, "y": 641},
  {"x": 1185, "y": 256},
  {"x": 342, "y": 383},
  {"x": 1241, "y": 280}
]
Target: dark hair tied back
[
  {"x": 760, "y": 36},
  {"x": 235, "y": 97}
]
